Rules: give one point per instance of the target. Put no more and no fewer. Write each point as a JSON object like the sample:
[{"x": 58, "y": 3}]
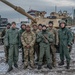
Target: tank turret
[{"x": 39, "y": 19}]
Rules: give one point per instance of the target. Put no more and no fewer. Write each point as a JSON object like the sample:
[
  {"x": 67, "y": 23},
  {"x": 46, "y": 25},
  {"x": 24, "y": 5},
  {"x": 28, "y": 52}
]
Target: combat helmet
[{"x": 62, "y": 21}]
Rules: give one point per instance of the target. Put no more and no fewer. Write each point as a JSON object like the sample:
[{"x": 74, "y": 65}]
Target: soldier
[
  {"x": 44, "y": 38},
  {"x": 5, "y": 47},
  {"x": 53, "y": 30},
  {"x": 70, "y": 49},
  {"x": 35, "y": 30},
  {"x": 23, "y": 28},
  {"x": 39, "y": 28},
  {"x": 12, "y": 42},
  {"x": 38, "y": 31},
  {"x": 65, "y": 39},
  {"x": 4, "y": 31},
  {"x": 28, "y": 41}
]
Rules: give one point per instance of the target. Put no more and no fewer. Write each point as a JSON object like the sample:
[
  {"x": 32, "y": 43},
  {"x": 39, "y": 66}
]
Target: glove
[
  {"x": 19, "y": 47},
  {"x": 56, "y": 46},
  {"x": 7, "y": 47},
  {"x": 70, "y": 50}
]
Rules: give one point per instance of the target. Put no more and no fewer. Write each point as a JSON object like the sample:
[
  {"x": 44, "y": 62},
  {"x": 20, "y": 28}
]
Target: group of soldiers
[{"x": 40, "y": 41}]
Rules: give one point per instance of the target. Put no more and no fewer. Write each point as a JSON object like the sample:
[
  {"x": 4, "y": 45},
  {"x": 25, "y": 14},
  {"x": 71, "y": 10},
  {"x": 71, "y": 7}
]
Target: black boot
[
  {"x": 23, "y": 61},
  {"x": 10, "y": 68},
  {"x": 15, "y": 65},
  {"x": 39, "y": 67},
  {"x": 54, "y": 64},
  {"x": 6, "y": 61},
  {"x": 61, "y": 63},
  {"x": 68, "y": 66},
  {"x": 50, "y": 67}
]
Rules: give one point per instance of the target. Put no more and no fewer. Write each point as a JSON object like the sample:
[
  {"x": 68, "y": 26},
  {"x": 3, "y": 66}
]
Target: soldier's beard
[
  {"x": 8, "y": 27},
  {"x": 44, "y": 30},
  {"x": 28, "y": 30},
  {"x": 34, "y": 29},
  {"x": 50, "y": 27}
]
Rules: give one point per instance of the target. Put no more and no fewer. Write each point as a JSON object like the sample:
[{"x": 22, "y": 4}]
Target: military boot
[
  {"x": 6, "y": 61},
  {"x": 39, "y": 67},
  {"x": 32, "y": 65},
  {"x": 61, "y": 63},
  {"x": 9, "y": 69},
  {"x": 54, "y": 64},
  {"x": 15, "y": 65},
  {"x": 68, "y": 66},
  {"x": 23, "y": 61},
  {"x": 49, "y": 66},
  {"x": 25, "y": 67}
]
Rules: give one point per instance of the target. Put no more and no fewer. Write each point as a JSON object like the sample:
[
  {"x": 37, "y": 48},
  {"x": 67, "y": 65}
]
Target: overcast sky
[{"x": 41, "y": 5}]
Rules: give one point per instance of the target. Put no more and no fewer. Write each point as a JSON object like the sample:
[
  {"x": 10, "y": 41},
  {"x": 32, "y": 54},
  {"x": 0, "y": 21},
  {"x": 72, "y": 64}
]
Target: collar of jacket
[{"x": 13, "y": 28}]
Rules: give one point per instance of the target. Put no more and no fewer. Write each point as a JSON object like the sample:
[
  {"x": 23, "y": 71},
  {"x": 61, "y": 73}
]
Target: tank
[{"x": 40, "y": 17}]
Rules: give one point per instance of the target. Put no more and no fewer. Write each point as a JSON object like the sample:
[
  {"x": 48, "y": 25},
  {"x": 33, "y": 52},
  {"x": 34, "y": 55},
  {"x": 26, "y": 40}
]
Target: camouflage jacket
[
  {"x": 28, "y": 38},
  {"x": 20, "y": 33},
  {"x": 55, "y": 35}
]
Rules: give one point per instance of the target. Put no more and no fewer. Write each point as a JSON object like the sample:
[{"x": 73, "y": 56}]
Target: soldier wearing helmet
[{"x": 65, "y": 38}]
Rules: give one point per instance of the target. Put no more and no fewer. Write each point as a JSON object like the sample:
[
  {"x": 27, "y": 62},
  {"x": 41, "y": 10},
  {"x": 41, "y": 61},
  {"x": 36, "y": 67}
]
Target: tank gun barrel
[{"x": 19, "y": 9}]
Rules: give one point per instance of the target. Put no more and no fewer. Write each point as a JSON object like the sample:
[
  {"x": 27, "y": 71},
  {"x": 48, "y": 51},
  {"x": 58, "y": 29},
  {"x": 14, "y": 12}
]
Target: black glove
[
  {"x": 56, "y": 46},
  {"x": 20, "y": 47},
  {"x": 7, "y": 47}
]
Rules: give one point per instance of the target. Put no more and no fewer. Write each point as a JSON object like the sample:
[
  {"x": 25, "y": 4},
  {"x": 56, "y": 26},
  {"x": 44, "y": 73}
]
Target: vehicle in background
[
  {"x": 73, "y": 29},
  {"x": 3, "y": 24}
]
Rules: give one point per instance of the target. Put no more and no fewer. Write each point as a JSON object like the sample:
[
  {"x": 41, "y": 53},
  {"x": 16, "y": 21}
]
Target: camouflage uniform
[
  {"x": 2, "y": 35},
  {"x": 5, "y": 48},
  {"x": 53, "y": 48},
  {"x": 28, "y": 38},
  {"x": 36, "y": 46},
  {"x": 20, "y": 33}
]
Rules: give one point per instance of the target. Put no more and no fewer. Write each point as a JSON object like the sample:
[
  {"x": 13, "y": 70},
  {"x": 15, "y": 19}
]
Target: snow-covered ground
[{"x": 44, "y": 71}]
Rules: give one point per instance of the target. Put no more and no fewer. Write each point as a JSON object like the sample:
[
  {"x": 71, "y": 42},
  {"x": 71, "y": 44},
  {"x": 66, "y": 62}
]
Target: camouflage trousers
[
  {"x": 6, "y": 50},
  {"x": 53, "y": 53},
  {"x": 36, "y": 50},
  {"x": 28, "y": 53},
  {"x": 22, "y": 54}
]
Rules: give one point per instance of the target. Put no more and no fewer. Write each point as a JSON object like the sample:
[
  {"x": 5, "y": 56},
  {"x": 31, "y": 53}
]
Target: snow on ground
[{"x": 59, "y": 70}]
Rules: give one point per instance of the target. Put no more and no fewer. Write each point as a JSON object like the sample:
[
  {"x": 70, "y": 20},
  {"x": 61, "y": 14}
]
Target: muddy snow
[{"x": 59, "y": 70}]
